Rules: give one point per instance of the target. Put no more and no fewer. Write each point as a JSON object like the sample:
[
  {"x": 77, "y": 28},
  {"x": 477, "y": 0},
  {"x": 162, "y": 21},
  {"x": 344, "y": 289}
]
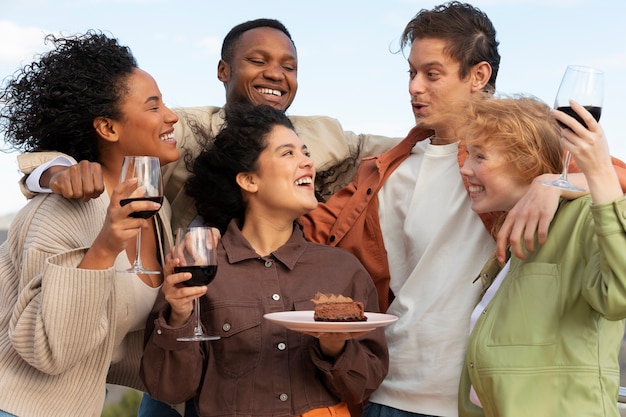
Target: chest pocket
[
  {"x": 239, "y": 326},
  {"x": 525, "y": 310}
]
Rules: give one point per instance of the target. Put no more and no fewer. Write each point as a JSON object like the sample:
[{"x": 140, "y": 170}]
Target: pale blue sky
[{"x": 346, "y": 69}]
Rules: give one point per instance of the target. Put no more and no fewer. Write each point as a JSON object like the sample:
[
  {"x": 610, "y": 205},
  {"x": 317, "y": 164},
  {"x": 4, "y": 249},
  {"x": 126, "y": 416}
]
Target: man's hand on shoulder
[
  {"x": 532, "y": 215},
  {"x": 82, "y": 181}
]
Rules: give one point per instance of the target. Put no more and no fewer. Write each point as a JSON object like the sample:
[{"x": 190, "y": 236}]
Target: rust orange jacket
[{"x": 349, "y": 219}]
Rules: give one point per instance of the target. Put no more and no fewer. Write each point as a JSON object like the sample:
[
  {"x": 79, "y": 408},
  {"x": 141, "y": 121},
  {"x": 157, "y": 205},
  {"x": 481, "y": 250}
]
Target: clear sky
[{"x": 347, "y": 68}]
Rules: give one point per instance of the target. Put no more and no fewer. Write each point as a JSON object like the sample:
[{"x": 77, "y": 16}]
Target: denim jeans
[
  {"x": 378, "y": 410},
  {"x": 150, "y": 407},
  {"x": 5, "y": 414}
]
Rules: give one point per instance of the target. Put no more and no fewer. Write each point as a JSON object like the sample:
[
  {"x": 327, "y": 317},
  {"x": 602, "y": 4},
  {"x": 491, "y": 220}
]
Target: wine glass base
[
  {"x": 563, "y": 185},
  {"x": 198, "y": 338},
  {"x": 139, "y": 271}
]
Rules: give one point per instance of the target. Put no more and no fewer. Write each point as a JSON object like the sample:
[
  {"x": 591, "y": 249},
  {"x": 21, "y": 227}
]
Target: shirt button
[
  {"x": 226, "y": 327},
  {"x": 283, "y": 397},
  {"x": 281, "y": 346},
  {"x": 331, "y": 239},
  {"x": 268, "y": 264},
  {"x": 159, "y": 331},
  {"x": 275, "y": 297},
  {"x": 471, "y": 365},
  {"x": 369, "y": 191}
]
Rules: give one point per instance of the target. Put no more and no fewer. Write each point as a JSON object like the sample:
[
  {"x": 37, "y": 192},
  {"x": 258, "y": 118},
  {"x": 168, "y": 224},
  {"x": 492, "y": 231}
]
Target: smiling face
[
  {"x": 495, "y": 185},
  {"x": 263, "y": 69},
  {"x": 283, "y": 183},
  {"x": 146, "y": 125},
  {"x": 435, "y": 84}
]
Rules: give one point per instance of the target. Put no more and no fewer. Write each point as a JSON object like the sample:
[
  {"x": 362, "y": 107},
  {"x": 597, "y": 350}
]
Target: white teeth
[
  {"x": 305, "y": 180},
  {"x": 167, "y": 136},
  {"x": 270, "y": 91},
  {"x": 476, "y": 188}
]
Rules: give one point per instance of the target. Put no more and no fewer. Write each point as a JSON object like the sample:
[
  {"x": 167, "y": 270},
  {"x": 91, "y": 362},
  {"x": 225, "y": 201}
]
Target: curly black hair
[
  {"x": 51, "y": 103},
  {"x": 236, "y": 149}
]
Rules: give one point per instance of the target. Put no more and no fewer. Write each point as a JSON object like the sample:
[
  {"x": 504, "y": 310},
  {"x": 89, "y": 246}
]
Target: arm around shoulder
[{"x": 33, "y": 165}]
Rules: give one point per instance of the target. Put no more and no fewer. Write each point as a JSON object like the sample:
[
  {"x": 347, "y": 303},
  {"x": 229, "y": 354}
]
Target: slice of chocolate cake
[{"x": 331, "y": 307}]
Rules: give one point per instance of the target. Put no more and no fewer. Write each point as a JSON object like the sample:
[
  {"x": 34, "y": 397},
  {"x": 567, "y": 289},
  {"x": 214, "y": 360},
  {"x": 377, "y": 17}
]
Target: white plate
[{"x": 302, "y": 321}]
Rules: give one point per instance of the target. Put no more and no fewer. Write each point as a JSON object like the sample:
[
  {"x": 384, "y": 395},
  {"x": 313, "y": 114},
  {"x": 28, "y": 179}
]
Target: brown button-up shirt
[{"x": 259, "y": 368}]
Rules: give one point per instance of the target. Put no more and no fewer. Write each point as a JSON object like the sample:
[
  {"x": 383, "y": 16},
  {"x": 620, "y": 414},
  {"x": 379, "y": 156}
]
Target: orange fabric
[
  {"x": 349, "y": 219},
  {"x": 339, "y": 410}
]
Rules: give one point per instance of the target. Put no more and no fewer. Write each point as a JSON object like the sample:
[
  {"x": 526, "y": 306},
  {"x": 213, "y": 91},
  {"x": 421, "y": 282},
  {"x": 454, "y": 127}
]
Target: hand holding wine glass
[
  {"x": 196, "y": 250},
  {"x": 585, "y": 86},
  {"x": 147, "y": 171}
]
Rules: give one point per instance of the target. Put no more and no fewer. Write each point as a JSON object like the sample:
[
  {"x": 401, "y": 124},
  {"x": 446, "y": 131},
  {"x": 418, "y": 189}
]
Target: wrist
[
  {"x": 177, "y": 319},
  {"x": 604, "y": 188},
  {"x": 46, "y": 176},
  {"x": 546, "y": 177},
  {"x": 98, "y": 256},
  {"x": 332, "y": 350}
]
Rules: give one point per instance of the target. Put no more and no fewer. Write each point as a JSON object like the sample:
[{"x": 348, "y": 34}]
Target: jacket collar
[
  {"x": 238, "y": 249},
  {"x": 396, "y": 155},
  {"x": 490, "y": 271}
]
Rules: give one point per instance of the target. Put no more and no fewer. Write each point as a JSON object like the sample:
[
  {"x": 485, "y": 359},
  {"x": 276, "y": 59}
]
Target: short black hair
[{"x": 231, "y": 39}]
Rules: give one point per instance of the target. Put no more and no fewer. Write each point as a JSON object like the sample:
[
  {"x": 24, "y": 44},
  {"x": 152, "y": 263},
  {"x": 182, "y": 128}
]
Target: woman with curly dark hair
[
  {"x": 252, "y": 183},
  {"x": 68, "y": 322}
]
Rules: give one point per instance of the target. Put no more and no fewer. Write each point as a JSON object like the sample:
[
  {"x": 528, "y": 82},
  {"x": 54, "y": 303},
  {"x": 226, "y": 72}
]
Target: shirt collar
[{"x": 238, "y": 248}]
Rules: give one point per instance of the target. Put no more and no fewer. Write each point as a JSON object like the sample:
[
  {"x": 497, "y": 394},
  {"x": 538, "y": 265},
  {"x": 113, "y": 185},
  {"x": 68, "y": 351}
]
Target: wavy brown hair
[{"x": 470, "y": 35}]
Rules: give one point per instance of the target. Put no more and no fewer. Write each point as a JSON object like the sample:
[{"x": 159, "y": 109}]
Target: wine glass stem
[
  {"x": 565, "y": 166},
  {"x": 198, "y": 329},
  {"x": 138, "y": 264}
]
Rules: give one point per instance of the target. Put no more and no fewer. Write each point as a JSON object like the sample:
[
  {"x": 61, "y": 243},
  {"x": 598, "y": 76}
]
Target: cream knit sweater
[{"x": 59, "y": 325}]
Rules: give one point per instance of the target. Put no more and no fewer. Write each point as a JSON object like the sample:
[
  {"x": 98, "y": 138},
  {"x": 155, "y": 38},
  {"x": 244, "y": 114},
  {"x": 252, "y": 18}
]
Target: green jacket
[{"x": 548, "y": 342}]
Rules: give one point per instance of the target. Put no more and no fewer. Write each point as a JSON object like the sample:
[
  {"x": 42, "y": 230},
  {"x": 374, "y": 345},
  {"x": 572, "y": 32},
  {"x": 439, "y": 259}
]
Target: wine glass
[
  {"x": 585, "y": 86},
  {"x": 147, "y": 170},
  {"x": 196, "y": 248}
]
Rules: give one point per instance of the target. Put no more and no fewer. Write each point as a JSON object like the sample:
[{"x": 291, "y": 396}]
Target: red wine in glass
[
  {"x": 594, "y": 110},
  {"x": 147, "y": 171},
  {"x": 143, "y": 214},
  {"x": 583, "y": 85},
  {"x": 196, "y": 250},
  {"x": 200, "y": 275}
]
